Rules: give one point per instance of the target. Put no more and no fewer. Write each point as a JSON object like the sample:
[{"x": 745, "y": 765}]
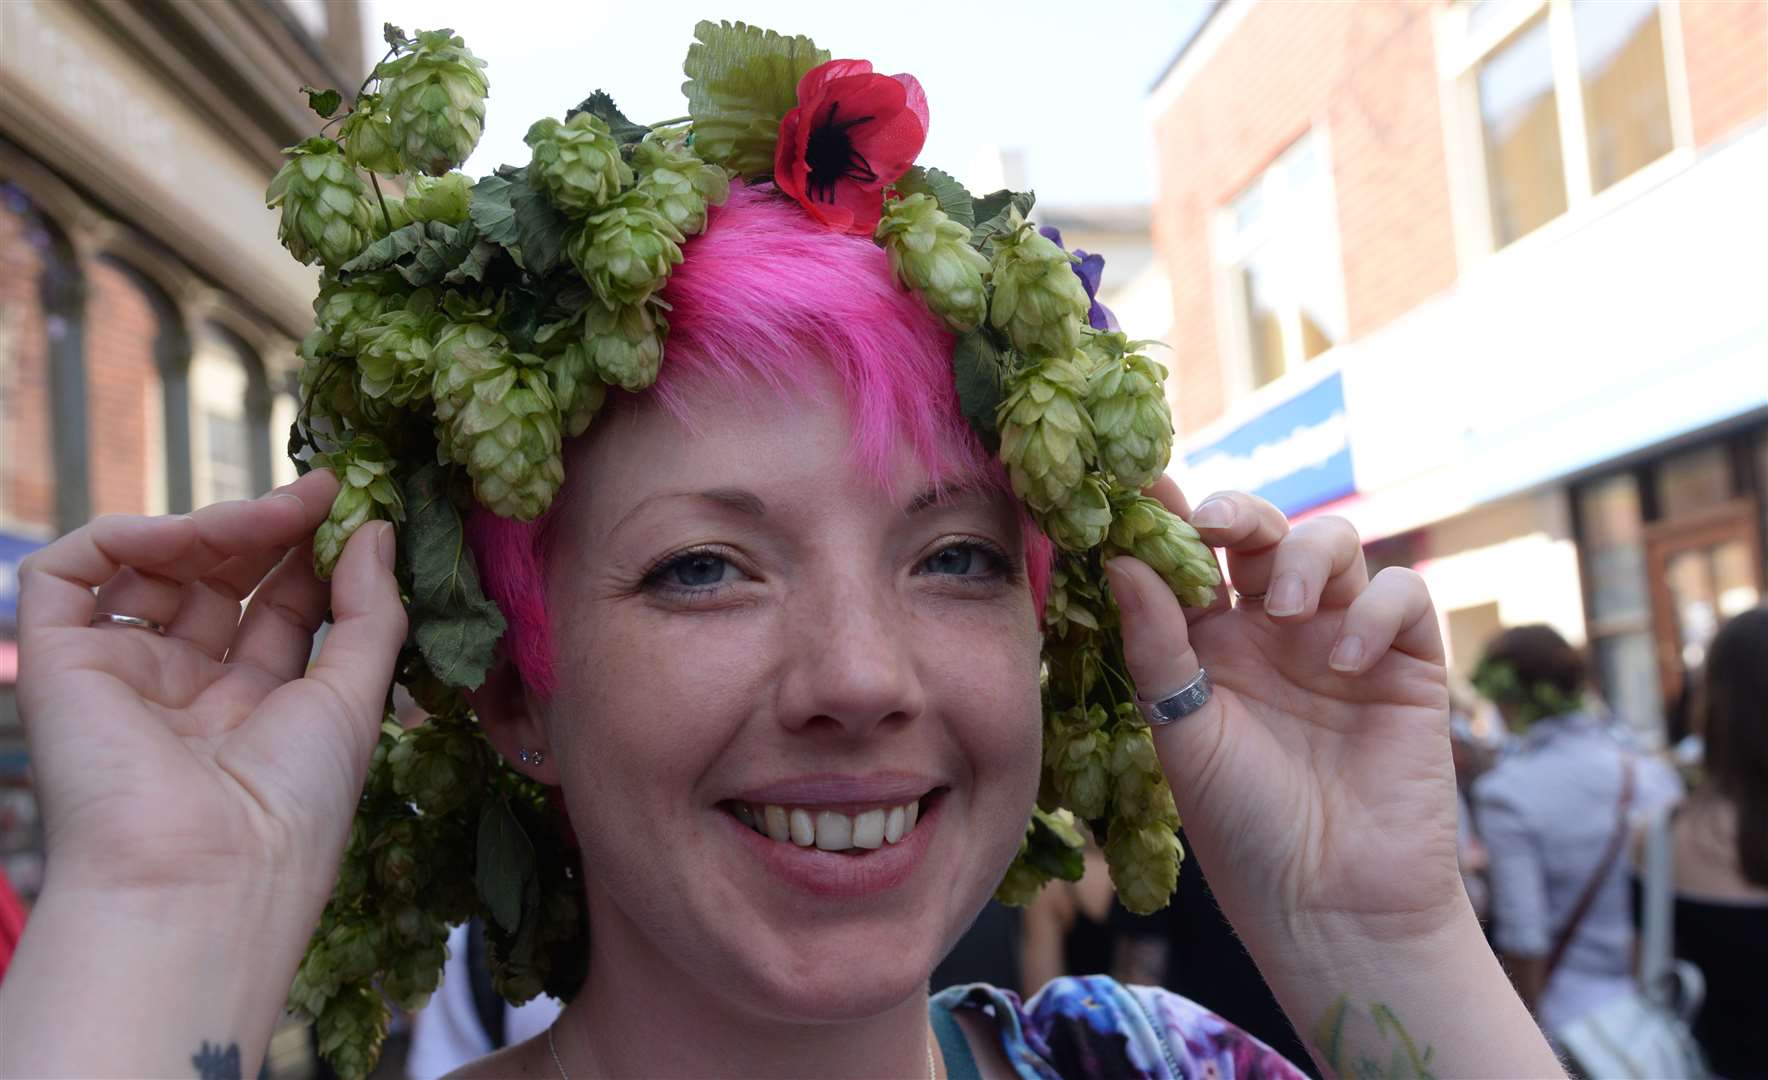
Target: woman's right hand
[{"x": 212, "y": 756}]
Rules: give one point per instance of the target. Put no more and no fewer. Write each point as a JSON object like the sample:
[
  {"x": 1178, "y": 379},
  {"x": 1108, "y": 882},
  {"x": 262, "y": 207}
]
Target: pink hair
[{"x": 761, "y": 294}]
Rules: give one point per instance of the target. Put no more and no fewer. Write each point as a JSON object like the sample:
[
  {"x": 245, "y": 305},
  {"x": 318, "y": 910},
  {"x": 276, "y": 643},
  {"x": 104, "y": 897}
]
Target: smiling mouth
[{"x": 868, "y": 829}]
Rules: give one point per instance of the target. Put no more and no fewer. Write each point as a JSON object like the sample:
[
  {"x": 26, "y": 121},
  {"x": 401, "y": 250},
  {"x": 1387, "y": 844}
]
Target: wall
[
  {"x": 27, "y": 482},
  {"x": 122, "y": 392},
  {"x": 1726, "y": 44}
]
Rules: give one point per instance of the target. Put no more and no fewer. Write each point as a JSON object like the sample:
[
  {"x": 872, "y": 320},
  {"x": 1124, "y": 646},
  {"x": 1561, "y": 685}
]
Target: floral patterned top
[{"x": 1094, "y": 1026}]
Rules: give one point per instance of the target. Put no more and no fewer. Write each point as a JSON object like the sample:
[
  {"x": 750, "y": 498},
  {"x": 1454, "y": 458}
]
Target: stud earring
[{"x": 531, "y": 757}]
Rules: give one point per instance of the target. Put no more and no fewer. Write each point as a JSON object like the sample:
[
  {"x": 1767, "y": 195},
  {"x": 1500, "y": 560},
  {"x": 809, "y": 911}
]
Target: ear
[{"x": 511, "y": 719}]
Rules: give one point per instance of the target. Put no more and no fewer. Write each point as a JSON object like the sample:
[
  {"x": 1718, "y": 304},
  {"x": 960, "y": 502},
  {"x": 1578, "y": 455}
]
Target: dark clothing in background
[
  {"x": 1729, "y": 943},
  {"x": 1208, "y": 964},
  {"x": 988, "y": 952},
  {"x": 1087, "y": 948}
]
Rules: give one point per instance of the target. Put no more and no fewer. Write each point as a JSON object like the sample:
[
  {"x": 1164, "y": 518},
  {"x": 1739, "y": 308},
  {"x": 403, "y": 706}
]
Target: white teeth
[
  {"x": 868, "y": 830},
  {"x": 778, "y": 827},
  {"x": 827, "y": 829},
  {"x": 803, "y": 832},
  {"x": 834, "y": 832},
  {"x": 894, "y": 824}
]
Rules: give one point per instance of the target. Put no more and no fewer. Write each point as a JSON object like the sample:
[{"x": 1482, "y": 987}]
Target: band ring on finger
[
  {"x": 1179, "y": 704},
  {"x": 134, "y": 622},
  {"x": 1250, "y": 597}
]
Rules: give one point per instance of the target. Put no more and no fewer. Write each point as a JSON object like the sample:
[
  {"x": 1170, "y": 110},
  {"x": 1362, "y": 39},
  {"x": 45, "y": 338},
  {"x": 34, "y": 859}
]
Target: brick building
[
  {"x": 1486, "y": 277},
  {"x": 148, "y": 317}
]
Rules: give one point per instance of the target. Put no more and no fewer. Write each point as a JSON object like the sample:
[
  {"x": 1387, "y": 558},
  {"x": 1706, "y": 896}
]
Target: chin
[{"x": 845, "y": 981}]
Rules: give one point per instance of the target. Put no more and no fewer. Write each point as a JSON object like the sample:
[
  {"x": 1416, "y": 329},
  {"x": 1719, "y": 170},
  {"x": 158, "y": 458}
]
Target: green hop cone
[
  {"x": 325, "y": 210},
  {"x": 315, "y": 980},
  {"x": 1075, "y": 602},
  {"x": 440, "y": 198},
  {"x": 400, "y": 866},
  {"x": 1077, "y": 753},
  {"x": 497, "y": 416},
  {"x": 627, "y": 251},
  {"x": 351, "y": 1029},
  {"x": 578, "y": 163},
  {"x": 353, "y": 948},
  {"x": 1149, "y": 531},
  {"x": 343, "y": 310},
  {"x": 1139, "y": 792},
  {"x": 1144, "y": 864},
  {"x": 365, "y": 491},
  {"x": 1039, "y": 301},
  {"x": 393, "y": 357},
  {"x": 931, "y": 254},
  {"x": 438, "y": 766},
  {"x": 579, "y": 392},
  {"x": 625, "y": 344},
  {"x": 1080, "y": 523},
  {"x": 415, "y": 966},
  {"x": 435, "y": 98},
  {"x": 518, "y": 982},
  {"x": 368, "y": 138},
  {"x": 1022, "y": 882},
  {"x": 679, "y": 184},
  {"x": 1046, "y": 436},
  {"x": 1131, "y": 419}
]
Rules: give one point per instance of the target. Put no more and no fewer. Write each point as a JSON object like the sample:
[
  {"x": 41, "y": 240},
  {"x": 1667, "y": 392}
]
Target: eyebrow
[
  {"x": 938, "y": 496},
  {"x": 744, "y": 502}
]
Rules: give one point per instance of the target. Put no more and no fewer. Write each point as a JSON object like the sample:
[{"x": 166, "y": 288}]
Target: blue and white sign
[
  {"x": 1297, "y": 454},
  {"x": 13, "y": 550}
]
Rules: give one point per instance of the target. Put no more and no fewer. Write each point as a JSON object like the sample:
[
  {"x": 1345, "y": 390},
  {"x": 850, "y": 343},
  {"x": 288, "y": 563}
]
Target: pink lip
[
  {"x": 830, "y": 790},
  {"x": 831, "y": 875}
]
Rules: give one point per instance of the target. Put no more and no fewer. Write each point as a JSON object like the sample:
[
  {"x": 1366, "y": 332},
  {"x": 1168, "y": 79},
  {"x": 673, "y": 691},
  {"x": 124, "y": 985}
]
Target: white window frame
[
  {"x": 218, "y": 386},
  {"x": 1459, "y": 53},
  {"x": 1232, "y": 247}
]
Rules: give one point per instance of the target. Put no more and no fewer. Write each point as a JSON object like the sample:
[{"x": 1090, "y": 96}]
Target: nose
[{"x": 851, "y": 665}]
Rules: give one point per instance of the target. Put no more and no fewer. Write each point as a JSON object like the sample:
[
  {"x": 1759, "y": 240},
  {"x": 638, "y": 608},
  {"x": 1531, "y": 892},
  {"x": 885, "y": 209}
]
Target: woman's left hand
[{"x": 1316, "y": 786}]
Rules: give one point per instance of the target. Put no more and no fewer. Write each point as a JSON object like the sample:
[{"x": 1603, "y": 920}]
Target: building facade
[
  {"x": 148, "y": 316},
  {"x": 1485, "y": 277}
]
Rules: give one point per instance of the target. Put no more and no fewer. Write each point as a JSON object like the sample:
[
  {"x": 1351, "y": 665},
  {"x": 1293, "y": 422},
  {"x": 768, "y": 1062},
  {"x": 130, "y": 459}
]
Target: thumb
[{"x": 1157, "y": 649}]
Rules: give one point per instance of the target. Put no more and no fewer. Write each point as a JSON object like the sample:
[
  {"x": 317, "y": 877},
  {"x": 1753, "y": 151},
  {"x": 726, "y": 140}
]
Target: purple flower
[{"x": 1089, "y": 269}]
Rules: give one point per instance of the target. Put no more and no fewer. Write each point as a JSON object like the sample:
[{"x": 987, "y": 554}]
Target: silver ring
[
  {"x": 1250, "y": 597},
  {"x": 1180, "y": 703},
  {"x": 133, "y": 621}
]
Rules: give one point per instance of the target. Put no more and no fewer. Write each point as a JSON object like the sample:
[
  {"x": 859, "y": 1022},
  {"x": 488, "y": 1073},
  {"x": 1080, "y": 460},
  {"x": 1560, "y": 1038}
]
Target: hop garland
[{"x": 464, "y": 328}]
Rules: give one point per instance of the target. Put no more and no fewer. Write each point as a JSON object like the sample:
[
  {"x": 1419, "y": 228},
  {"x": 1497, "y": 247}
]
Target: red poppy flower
[{"x": 853, "y": 134}]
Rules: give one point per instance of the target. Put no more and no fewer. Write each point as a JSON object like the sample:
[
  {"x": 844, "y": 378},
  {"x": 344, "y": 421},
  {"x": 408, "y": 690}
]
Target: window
[
  {"x": 1279, "y": 242},
  {"x": 221, "y": 427},
  {"x": 1612, "y": 527},
  {"x": 1567, "y": 97}
]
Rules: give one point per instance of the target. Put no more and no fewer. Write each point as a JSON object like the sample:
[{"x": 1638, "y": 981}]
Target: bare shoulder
[{"x": 522, "y": 1061}]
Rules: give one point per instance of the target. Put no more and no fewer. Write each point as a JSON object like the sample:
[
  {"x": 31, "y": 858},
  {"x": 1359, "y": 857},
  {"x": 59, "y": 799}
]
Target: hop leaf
[
  {"x": 742, "y": 80},
  {"x": 442, "y": 198},
  {"x": 365, "y": 492},
  {"x": 1081, "y": 522},
  {"x": 1038, "y": 301},
  {"x": 325, "y": 212},
  {"x": 1046, "y": 436},
  {"x": 1131, "y": 418},
  {"x": 1142, "y": 527},
  {"x": 435, "y": 98},
  {"x": 627, "y": 251},
  {"x": 1144, "y": 865},
  {"x": 679, "y": 184},
  {"x": 577, "y": 162},
  {"x": 368, "y": 138},
  {"x": 931, "y": 253}
]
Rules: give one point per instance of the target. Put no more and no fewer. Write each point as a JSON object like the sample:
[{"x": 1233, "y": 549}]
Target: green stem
[{"x": 378, "y": 197}]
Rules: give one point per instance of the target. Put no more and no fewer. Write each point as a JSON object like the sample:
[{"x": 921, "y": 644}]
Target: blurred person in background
[
  {"x": 466, "y": 1017},
  {"x": 1720, "y": 841},
  {"x": 1553, "y": 814}
]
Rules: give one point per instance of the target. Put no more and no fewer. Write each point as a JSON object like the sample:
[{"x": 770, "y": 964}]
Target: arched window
[
  {"x": 229, "y": 419},
  {"x": 42, "y": 489},
  {"x": 134, "y": 338}
]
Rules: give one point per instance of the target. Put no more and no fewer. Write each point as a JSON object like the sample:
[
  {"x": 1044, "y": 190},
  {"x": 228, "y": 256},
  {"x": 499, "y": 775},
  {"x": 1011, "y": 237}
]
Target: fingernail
[
  {"x": 1213, "y": 514},
  {"x": 386, "y": 546},
  {"x": 1285, "y": 597},
  {"x": 1347, "y": 654},
  {"x": 279, "y": 496},
  {"x": 1123, "y": 589}
]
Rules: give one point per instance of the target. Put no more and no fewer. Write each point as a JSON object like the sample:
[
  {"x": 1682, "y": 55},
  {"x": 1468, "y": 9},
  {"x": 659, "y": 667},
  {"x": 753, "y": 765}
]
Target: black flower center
[{"x": 830, "y": 155}]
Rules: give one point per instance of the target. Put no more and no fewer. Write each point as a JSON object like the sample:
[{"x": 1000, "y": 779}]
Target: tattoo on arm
[
  {"x": 216, "y": 1063},
  {"x": 1373, "y": 1047}
]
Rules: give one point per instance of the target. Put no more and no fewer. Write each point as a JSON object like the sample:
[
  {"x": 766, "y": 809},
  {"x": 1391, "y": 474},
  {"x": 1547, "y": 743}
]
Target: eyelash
[{"x": 1004, "y": 568}]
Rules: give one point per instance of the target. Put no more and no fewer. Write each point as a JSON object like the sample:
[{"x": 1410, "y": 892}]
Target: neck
[{"x": 641, "y": 1015}]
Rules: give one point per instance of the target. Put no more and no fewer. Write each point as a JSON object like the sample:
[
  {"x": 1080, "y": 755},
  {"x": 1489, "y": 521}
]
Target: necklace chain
[{"x": 932, "y": 1070}]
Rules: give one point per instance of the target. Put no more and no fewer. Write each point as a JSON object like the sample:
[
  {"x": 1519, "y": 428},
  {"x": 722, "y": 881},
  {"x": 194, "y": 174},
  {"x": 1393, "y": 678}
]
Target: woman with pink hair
[{"x": 776, "y": 647}]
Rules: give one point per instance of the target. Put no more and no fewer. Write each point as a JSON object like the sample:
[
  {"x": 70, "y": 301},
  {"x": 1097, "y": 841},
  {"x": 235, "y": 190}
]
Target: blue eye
[
  {"x": 969, "y": 559},
  {"x": 696, "y": 570}
]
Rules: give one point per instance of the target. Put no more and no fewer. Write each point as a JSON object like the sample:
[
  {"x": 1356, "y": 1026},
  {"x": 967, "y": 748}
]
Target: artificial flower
[
  {"x": 1089, "y": 269},
  {"x": 853, "y": 134}
]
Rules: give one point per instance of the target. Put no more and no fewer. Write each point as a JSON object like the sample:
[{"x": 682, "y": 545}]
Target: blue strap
[{"x": 960, "y": 1064}]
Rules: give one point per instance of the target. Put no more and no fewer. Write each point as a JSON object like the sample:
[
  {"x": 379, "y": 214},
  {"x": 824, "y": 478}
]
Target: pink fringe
[{"x": 760, "y": 296}]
